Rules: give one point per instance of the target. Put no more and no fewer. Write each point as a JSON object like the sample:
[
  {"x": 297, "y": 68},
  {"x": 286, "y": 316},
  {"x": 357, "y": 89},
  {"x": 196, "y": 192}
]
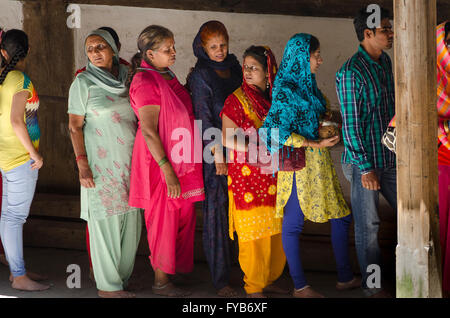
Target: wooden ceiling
[{"x": 316, "y": 8}]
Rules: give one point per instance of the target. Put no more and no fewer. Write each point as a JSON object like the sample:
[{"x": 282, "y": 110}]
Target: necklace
[{"x": 152, "y": 69}]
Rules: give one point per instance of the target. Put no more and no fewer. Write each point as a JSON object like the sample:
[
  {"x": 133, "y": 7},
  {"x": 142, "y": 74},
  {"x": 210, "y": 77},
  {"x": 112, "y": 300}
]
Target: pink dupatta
[{"x": 178, "y": 130}]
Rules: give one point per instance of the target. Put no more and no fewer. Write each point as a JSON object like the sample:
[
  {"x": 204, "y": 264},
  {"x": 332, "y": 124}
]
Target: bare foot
[
  {"x": 306, "y": 292},
  {"x": 3, "y": 260},
  {"x": 115, "y": 294},
  {"x": 274, "y": 289},
  {"x": 227, "y": 291},
  {"x": 25, "y": 283},
  {"x": 256, "y": 295},
  {"x": 352, "y": 284},
  {"x": 169, "y": 290},
  {"x": 32, "y": 276}
]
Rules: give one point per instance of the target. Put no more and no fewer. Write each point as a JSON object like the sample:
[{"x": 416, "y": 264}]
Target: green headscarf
[{"x": 103, "y": 78}]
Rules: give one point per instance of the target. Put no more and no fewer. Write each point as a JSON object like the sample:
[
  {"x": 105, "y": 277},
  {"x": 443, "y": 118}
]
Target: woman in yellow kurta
[
  {"x": 312, "y": 193},
  {"x": 252, "y": 193}
]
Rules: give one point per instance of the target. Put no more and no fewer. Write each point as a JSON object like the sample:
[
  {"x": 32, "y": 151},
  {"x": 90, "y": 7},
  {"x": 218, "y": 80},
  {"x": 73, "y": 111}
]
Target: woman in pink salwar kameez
[{"x": 164, "y": 181}]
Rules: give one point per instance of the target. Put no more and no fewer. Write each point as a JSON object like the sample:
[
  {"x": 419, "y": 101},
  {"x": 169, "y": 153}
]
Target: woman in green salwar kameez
[{"x": 102, "y": 128}]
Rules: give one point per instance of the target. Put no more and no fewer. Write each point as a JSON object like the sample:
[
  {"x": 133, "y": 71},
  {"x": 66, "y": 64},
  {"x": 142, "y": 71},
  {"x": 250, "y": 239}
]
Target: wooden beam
[
  {"x": 51, "y": 68},
  {"x": 315, "y": 8},
  {"x": 418, "y": 250}
]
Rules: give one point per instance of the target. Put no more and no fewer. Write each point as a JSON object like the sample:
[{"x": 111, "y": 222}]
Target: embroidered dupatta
[{"x": 297, "y": 102}]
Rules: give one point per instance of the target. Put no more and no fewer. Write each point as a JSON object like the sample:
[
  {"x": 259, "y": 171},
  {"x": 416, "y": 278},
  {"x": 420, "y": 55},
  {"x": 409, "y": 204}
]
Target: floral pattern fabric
[
  {"x": 318, "y": 188},
  {"x": 297, "y": 101},
  {"x": 109, "y": 133}
]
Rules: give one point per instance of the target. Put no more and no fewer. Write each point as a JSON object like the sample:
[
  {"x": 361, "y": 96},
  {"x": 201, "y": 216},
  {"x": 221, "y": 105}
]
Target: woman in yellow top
[
  {"x": 19, "y": 156},
  {"x": 251, "y": 193},
  {"x": 312, "y": 193}
]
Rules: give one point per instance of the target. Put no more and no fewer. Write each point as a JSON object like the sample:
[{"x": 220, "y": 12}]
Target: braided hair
[{"x": 15, "y": 43}]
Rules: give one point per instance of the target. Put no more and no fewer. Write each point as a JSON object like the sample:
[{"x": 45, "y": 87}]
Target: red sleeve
[
  {"x": 145, "y": 91},
  {"x": 233, "y": 109},
  {"x": 81, "y": 70}
]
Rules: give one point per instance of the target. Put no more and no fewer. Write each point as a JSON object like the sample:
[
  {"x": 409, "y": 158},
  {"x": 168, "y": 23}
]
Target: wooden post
[
  {"x": 418, "y": 264},
  {"x": 51, "y": 68}
]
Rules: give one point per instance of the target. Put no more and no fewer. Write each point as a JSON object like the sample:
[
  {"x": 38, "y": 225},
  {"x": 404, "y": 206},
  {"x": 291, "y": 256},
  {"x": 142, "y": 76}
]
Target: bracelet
[
  {"x": 79, "y": 157},
  {"x": 163, "y": 161}
]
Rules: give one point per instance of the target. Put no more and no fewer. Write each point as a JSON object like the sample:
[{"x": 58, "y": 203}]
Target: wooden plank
[
  {"x": 317, "y": 253},
  {"x": 418, "y": 251},
  {"x": 68, "y": 206},
  {"x": 52, "y": 53},
  {"x": 56, "y": 205},
  {"x": 313, "y": 8},
  {"x": 51, "y": 43}
]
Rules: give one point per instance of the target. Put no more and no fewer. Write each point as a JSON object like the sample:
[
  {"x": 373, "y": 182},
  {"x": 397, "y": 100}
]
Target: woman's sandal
[
  {"x": 169, "y": 290},
  {"x": 354, "y": 283},
  {"x": 115, "y": 294},
  {"x": 306, "y": 292},
  {"x": 227, "y": 292}
]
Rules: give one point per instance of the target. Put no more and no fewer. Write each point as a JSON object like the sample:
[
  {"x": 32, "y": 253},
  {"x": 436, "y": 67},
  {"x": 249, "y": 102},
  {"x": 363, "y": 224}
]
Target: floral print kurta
[
  {"x": 318, "y": 188},
  {"x": 109, "y": 132}
]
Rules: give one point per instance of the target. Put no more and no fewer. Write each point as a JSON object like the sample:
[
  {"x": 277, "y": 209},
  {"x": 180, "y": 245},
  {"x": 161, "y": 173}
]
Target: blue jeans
[
  {"x": 293, "y": 220},
  {"x": 365, "y": 214},
  {"x": 18, "y": 191}
]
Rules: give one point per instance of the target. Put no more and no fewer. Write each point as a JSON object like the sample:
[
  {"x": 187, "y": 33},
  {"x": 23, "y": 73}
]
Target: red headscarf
[{"x": 259, "y": 103}]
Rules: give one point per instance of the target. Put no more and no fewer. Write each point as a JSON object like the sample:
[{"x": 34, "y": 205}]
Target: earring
[{"x": 267, "y": 84}]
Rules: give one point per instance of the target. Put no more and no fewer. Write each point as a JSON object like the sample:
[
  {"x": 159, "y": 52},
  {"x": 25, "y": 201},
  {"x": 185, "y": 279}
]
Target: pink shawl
[{"x": 174, "y": 116}]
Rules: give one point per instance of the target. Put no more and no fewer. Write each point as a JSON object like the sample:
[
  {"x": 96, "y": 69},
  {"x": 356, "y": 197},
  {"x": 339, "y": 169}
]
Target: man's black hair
[{"x": 360, "y": 21}]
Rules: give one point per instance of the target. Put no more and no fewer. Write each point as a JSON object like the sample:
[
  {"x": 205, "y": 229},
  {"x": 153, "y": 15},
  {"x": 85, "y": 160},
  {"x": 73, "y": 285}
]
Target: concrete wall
[
  {"x": 11, "y": 16},
  {"x": 337, "y": 36}
]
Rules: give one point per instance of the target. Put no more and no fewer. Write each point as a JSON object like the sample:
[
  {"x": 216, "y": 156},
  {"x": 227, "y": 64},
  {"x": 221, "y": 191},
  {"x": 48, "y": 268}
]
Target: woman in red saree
[{"x": 251, "y": 192}]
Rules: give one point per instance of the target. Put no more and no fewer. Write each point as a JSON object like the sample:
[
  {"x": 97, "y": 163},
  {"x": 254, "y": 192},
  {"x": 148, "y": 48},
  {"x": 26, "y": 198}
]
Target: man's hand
[{"x": 370, "y": 181}]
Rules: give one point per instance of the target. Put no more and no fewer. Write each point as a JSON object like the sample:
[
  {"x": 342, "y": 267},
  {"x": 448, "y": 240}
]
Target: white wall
[
  {"x": 11, "y": 16},
  {"x": 337, "y": 36}
]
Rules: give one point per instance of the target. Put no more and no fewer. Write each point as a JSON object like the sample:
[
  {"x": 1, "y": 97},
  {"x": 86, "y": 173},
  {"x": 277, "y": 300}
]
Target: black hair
[
  {"x": 360, "y": 21},
  {"x": 113, "y": 34},
  {"x": 258, "y": 53},
  {"x": 15, "y": 43},
  {"x": 447, "y": 29},
  {"x": 149, "y": 39},
  {"x": 314, "y": 44}
]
